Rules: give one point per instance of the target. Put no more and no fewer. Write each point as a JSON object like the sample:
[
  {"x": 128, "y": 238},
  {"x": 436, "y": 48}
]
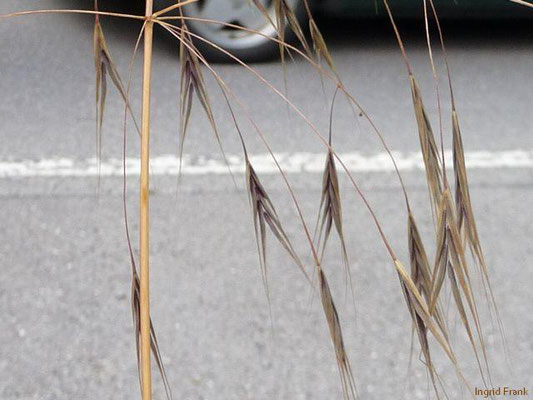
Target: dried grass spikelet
[
  {"x": 466, "y": 223},
  {"x": 285, "y": 15},
  {"x": 104, "y": 65},
  {"x": 335, "y": 331},
  {"x": 420, "y": 269},
  {"x": 136, "y": 313},
  {"x": 428, "y": 146},
  {"x": 465, "y": 216},
  {"x": 424, "y": 322},
  {"x": 330, "y": 212},
  {"x": 450, "y": 260},
  {"x": 264, "y": 214},
  {"x": 421, "y": 276},
  {"x": 421, "y": 331},
  {"x": 330, "y": 209},
  {"x": 319, "y": 45},
  {"x": 192, "y": 83},
  {"x": 430, "y": 152},
  {"x": 449, "y": 250}
]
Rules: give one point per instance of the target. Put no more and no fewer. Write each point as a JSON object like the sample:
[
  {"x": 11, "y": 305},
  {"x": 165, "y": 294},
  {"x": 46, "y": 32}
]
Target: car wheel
[{"x": 245, "y": 45}]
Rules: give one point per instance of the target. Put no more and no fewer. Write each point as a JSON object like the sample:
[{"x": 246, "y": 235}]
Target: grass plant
[{"x": 423, "y": 286}]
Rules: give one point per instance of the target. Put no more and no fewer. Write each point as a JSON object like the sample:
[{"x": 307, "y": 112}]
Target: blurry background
[{"x": 64, "y": 288}]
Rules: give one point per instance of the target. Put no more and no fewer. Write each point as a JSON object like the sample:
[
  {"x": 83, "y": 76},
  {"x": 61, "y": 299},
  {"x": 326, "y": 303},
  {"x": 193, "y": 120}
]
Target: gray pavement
[{"x": 66, "y": 329}]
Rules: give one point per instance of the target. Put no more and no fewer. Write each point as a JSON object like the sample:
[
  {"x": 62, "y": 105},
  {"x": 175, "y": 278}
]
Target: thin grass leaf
[
  {"x": 136, "y": 313},
  {"x": 348, "y": 383},
  {"x": 428, "y": 146},
  {"x": 265, "y": 215}
]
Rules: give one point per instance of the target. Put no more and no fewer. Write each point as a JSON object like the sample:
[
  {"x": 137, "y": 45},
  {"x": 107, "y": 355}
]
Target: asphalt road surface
[{"x": 66, "y": 331}]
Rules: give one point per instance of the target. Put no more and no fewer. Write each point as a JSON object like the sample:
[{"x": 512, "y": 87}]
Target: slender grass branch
[
  {"x": 173, "y": 7},
  {"x": 59, "y": 11}
]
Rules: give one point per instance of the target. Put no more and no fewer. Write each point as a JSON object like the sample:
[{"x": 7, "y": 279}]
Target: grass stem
[{"x": 144, "y": 246}]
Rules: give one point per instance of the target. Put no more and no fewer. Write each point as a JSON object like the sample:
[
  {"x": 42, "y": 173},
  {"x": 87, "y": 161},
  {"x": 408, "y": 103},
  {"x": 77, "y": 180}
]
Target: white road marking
[{"x": 262, "y": 163}]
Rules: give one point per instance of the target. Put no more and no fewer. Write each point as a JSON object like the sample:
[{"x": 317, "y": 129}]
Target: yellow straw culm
[{"x": 144, "y": 226}]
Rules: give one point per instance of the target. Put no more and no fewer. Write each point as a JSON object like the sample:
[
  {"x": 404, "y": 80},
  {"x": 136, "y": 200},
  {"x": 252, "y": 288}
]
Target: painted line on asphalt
[{"x": 262, "y": 163}]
